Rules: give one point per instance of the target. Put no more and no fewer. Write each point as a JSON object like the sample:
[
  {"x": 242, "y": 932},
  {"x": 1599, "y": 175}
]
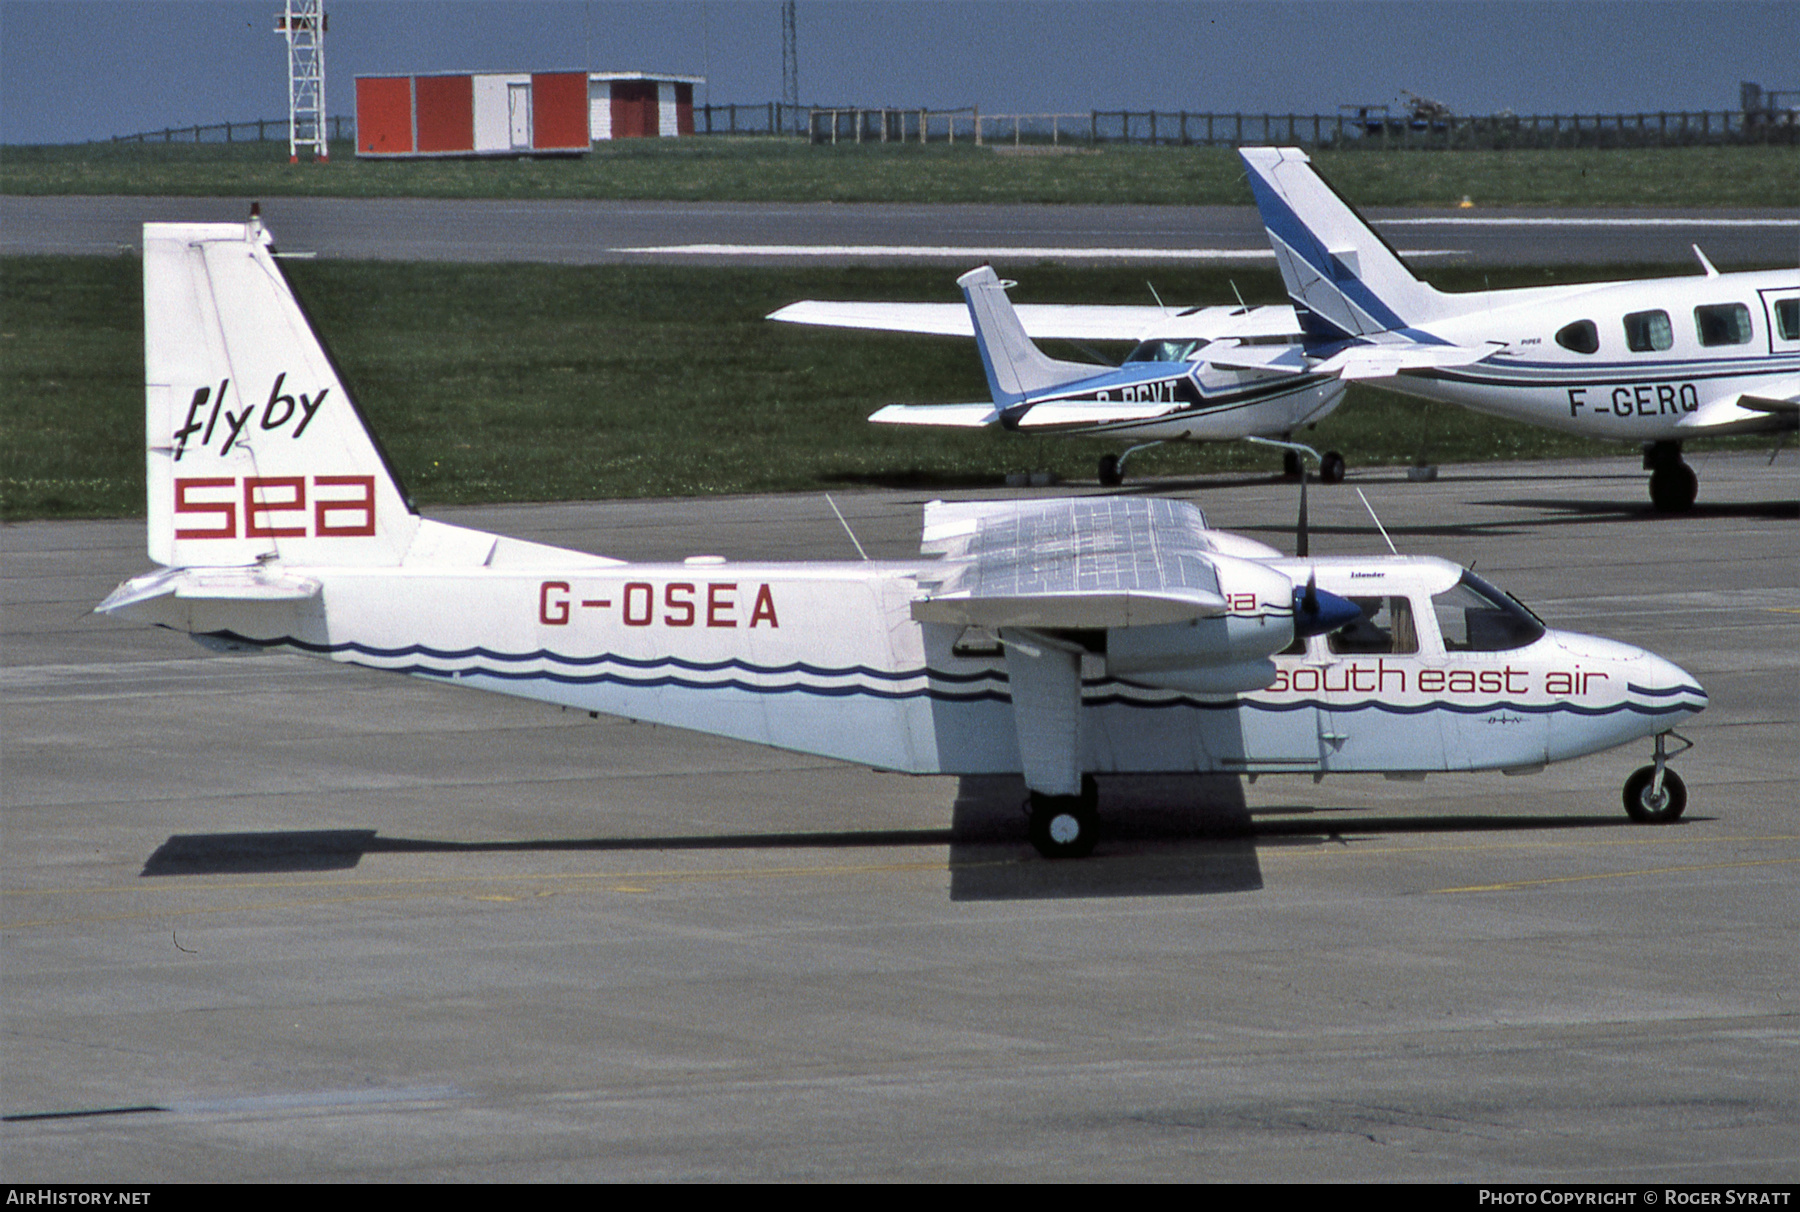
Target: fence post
[{"x": 978, "y": 126}]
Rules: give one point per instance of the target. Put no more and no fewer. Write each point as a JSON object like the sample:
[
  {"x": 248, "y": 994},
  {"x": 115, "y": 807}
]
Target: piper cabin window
[
  {"x": 1581, "y": 337},
  {"x": 1473, "y": 616},
  {"x": 1723, "y": 324},
  {"x": 1386, "y": 626},
  {"x": 1787, "y": 319},
  {"x": 1648, "y": 331}
]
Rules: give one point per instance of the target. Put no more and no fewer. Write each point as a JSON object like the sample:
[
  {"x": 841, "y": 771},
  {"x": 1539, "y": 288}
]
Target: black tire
[
  {"x": 1290, "y": 464},
  {"x": 1674, "y": 488},
  {"x": 1645, "y": 809},
  {"x": 1064, "y": 826},
  {"x": 1111, "y": 473},
  {"x": 1331, "y": 468}
]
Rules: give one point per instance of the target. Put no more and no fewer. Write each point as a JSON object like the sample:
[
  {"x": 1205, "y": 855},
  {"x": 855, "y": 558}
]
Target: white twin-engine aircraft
[
  {"x": 1169, "y": 389},
  {"x": 1056, "y": 638},
  {"x": 1655, "y": 361}
]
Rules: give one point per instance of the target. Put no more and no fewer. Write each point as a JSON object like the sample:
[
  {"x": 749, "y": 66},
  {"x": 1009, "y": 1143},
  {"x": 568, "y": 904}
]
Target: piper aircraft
[
  {"x": 1655, "y": 361},
  {"x": 1168, "y": 389},
  {"x": 1059, "y": 639}
]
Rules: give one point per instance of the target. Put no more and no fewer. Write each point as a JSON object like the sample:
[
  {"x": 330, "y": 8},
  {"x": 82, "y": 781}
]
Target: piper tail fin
[
  {"x": 254, "y": 449},
  {"x": 1016, "y": 368},
  {"x": 1344, "y": 279}
]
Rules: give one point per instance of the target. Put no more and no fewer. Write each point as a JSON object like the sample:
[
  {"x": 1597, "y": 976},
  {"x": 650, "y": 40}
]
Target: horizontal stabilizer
[
  {"x": 249, "y": 584},
  {"x": 1059, "y": 414},
  {"x": 959, "y": 416},
  {"x": 1386, "y": 361}
]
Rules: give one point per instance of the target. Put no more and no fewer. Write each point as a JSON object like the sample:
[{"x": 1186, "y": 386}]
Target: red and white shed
[
  {"x": 627, "y": 105},
  {"x": 472, "y": 114}
]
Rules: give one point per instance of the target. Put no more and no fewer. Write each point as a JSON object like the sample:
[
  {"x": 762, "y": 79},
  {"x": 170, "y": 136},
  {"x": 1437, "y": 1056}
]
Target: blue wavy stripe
[
  {"x": 992, "y": 692},
  {"x": 544, "y": 654},
  {"x": 1663, "y": 694}
]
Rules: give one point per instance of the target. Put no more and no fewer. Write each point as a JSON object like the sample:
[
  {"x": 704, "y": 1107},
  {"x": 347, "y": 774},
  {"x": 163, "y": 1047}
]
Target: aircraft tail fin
[
  {"x": 1016, "y": 368},
  {"x": 1345, "y": 280},
  {"x": 254, "y": 449}
]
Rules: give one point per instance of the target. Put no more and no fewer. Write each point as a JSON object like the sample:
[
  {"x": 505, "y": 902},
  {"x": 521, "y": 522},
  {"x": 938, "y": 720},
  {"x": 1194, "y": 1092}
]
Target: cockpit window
[
  {"x": 1581, "y": 337},
  {"x": 1787, "y": 319},
  {"x": 1386, "y": 626},
  {"x": 1723, "y": 324},
  {"x": 1165, "y": 351},
  {"x": 1647, "y": 331},
  {"x": 1473, "y": 616}
]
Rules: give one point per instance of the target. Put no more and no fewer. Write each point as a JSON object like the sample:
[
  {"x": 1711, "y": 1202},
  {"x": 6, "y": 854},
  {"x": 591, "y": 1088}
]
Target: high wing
[{"x": 1050, "y": 321}]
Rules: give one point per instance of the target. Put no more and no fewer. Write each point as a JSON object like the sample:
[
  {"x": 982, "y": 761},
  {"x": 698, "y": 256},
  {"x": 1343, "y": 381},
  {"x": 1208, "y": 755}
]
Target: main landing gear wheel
[
  {"x": 1647, "y": 806},
  {"x": 1673, "y": 488},
  {"x": 1331, "y": 468},
  {"x": 1290, "y": 464},
  {"x": 1066, "y": 826},
  {"x": 1112, "y": 472}
]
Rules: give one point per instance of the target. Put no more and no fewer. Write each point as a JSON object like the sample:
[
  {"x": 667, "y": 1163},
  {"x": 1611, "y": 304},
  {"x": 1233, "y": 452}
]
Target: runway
[
  {"x": 576, "y": 232},
  {"x": 269, "y": 919}
]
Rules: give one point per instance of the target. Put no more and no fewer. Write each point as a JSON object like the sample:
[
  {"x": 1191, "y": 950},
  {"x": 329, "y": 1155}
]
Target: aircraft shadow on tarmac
[{"x": 1166, "y": 835}]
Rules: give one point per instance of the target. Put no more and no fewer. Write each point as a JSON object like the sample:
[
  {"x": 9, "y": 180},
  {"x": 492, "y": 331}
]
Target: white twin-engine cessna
[
  {"x": 1170, "y": 387},
  {"x": 1057, "y": 638},
  {"x": 1655, "y": 361}
]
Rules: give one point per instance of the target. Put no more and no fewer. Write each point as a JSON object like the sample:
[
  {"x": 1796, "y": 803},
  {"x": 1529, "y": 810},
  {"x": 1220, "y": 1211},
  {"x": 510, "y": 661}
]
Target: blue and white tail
[
  {"x": 1017, "y": 369},
  {"x": 1344, "y": 279},
  {"x": 254, "y": 449}
]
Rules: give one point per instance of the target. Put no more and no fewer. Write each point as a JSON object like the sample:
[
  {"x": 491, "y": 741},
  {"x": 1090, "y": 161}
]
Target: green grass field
[
  {"x": 520, "y": 383},
  {"x": 746, "y": 169}
]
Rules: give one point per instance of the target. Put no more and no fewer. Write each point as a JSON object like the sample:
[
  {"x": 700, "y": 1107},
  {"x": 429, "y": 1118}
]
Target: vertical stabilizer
[
  {"x": 255, "y": 450},
  {"x": 1344, "y": 279},
  {"x": 1016, "y": 368}
]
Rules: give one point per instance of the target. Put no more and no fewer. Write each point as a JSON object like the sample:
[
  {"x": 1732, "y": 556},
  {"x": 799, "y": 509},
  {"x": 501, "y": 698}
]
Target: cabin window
[
  {"x": 1648, "y": 331},
  {"x": 1787, "y": 319},
  {"x": 1582, "y": 337},
  {"x": 1386, "y": 626},
  {"x": 1165, "y": 351},
  {"x": 1473, "y": 616},
  {"x": 1723, "y": 324}
]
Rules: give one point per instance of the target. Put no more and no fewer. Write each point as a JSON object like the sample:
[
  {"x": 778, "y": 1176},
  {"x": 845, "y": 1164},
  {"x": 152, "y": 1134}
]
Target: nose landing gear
[
  {"x": 1655, "y": 795},
  {"x": 1066, "y": 826}
]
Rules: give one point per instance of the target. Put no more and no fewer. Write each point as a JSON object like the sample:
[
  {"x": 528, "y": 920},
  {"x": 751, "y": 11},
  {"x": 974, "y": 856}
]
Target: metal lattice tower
[
  {"x": 790, "y": 62},
  {"x": 304, "y": 24}
]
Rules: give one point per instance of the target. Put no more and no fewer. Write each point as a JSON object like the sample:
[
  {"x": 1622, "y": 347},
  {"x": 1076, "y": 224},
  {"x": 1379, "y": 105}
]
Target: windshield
[
  {"x": 1473, "y": 616},
  {"x": 1165, "y": 351}
]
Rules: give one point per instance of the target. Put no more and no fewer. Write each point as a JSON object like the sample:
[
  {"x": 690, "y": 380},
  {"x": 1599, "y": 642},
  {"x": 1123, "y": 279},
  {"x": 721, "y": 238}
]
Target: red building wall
[
  {"x": 384, "y": 114},
  {"x": 633, "y": 109},
  {"x": 684, "y": 109},
  {"x": 446, "y": 113},
  {"x": 559, "y": 110}
]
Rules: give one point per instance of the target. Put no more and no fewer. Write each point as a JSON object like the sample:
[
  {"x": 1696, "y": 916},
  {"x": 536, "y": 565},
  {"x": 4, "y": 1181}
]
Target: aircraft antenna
[
  {"x": 1157, "y": 297},
  {"x": 846, "y": 526},
  {"x": 1378, "y": 525},
  {"x": 1239, "y": 294}
]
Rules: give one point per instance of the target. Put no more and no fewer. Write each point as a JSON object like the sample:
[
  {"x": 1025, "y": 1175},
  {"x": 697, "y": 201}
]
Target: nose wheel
[
  {"x": 1066, "y": 826},
  {"x": 1655, "y": 795}
]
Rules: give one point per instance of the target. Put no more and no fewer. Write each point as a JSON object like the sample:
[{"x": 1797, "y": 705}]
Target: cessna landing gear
[
  {"x": 1331, "y": 468},
  {"x": 1673, "y": 484},
  {"x": 1066, "y": 826},
  {"x": 1656, "y": 795},
  {"x": 1112, "y": 467}
]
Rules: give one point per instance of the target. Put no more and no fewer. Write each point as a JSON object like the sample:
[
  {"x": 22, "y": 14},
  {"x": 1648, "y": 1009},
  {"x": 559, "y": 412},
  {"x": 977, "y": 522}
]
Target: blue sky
[{"x": 71, "y": 71}]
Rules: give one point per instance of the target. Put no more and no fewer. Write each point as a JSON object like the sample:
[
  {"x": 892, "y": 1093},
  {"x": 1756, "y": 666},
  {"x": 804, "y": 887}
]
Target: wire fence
[{"x": 1355, "y": 127}]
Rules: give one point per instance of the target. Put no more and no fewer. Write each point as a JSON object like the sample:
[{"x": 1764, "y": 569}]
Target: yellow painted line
[{"x": 1612, "y": 875}]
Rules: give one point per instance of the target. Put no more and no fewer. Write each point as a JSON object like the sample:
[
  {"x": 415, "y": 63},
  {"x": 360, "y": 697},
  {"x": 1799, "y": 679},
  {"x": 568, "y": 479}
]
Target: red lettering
[
  {"x": 764, "y": 608},
  {"x": 361, "y": 509},
  {"x": 257, "y": 506},
  {"x": 554, "y": 613},
  {"x": 1431, "y": 681},
  {"x": 647, "y": 604},
  {"x": 226, "y": 510},
  {"x": 685, "y": 604},
  {"x": 718, "y": 609}
]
